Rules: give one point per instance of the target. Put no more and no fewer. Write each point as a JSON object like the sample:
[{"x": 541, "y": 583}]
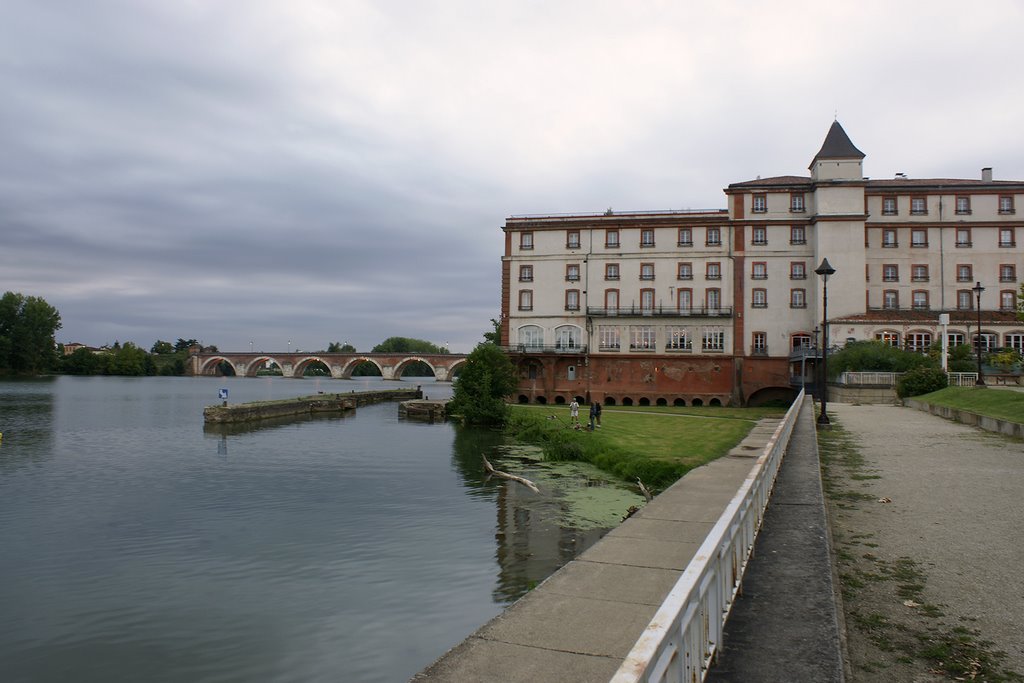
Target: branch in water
[{"x": 505, "y": 475}]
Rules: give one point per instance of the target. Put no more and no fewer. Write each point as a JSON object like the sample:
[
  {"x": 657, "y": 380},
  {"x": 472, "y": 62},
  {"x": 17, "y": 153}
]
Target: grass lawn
[
  {"x": 998, "y": 403},
  {"x": 658, "y": 445}
]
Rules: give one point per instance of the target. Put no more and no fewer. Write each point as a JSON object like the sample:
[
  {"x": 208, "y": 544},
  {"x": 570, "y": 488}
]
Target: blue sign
[{"x": 222, "y": 394}]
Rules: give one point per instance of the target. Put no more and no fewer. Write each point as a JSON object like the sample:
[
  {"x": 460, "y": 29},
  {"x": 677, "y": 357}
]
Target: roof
[
  {"x": 776, "y": 181},
  {"x": 837, "y": 145},
  {"x": 905, "y": 317}
]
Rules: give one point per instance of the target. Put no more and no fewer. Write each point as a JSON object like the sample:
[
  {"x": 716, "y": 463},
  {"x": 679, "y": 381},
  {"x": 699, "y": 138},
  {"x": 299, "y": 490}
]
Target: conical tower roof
[{"x": 837, "y": 145}]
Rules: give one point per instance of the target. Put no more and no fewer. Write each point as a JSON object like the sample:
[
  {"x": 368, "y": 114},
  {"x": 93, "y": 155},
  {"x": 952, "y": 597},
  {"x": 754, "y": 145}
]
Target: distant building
[
  {"x": 71, "y": 347},
  {"x": 721, "y": 306}
]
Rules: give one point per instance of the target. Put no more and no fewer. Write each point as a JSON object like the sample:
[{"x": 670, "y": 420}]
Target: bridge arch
[
  {"x": 346, "y": 371},
  {"x": 210, "y": 365},
  {"x": 401, "y": 365},
  {"x": 449, "y": 374},
  {"x": 260, "y": 363},
  {"x": 299, "y": 368}
]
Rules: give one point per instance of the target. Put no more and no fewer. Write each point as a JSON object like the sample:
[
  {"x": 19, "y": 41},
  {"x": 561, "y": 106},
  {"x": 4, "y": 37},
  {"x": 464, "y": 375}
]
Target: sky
[{"x": 288, "y": 174}]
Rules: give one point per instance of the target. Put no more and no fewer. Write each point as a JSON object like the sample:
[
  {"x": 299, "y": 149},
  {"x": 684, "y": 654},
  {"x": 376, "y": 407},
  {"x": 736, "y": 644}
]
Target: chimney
[{"x": 986, "y": 174}]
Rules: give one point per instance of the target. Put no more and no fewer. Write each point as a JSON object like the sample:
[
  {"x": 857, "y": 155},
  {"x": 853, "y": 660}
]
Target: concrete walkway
[
  {"x": 785, "y": 625},
  {"x": 582, "y": 622}
]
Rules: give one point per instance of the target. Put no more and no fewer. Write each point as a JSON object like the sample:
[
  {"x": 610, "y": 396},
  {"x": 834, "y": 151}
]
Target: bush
[
  {"x": 875, "y": 356},
  {"x": 487, "y": 378},
  {"x": 921, "y": 381}
]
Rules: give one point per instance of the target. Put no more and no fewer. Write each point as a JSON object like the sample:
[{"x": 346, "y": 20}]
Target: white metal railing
[
  {"x": 885, "y": 379},
  {"x": 962, "y": 379},
  {"x": 681, "y": 640}
]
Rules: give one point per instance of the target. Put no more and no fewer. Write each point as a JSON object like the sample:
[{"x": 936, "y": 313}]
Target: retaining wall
[
  {"x": 302, "y": 405},
  {"x": 990, "y": 424}
]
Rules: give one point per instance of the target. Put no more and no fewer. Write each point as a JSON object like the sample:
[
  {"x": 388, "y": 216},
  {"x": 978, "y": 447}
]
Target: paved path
[
  {"x": 581, "y": 623},
  {"x": 785, "y": 625},
  {"x": 957, "y": 508}
]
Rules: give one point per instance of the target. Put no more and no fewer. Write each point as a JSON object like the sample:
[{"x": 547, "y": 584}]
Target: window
[
  {"x": 798, "y": 298},
  {"x": 685, "y": 237},
  {"x": 714, "y": 237},
  {"x": 890, "y": 299},
  {"x": 685, "y": 300},
  {"x": 759, "y": 235},
  {"x": 919, "y": 300},
  {"x": 964, "y": 272},
  {"x": 572, "y": 299},
  {"x": 889, "y": 239},
  {"x": 797, "y": 270},
  {"x": 713, "y": 340},
  {"x": 954, "y": 339},
  {"x": 963, "y": 205},
  {"x": 1006, "y": 204},
  {"x": 919, "y": 272},
  {"x": 890, "y": 338},
  {"x": 713, "y": 299},
  {"x": 918, "y": 238},
  {"x": 796, "y": 203},
  {"x": 572, "y": 239},
  {"x": 713, "y": 271},
  {"x": 963, "y": 237},
  {"x": 611, "y": 271},
  {"x": 760, "y": 298},
  {"x": 526, "y": 273},
  {"x": 572, "y": 272},
  {"x": 685, "y": 271},
  {"x": 1014, "y": 341},
  {"x": 646, "y": 271},
  {"x": 889, "y": 206},
  {"x": 760, "y": 203},
  {"x": 759, "y": 343},
  {"x": 641, "y": 338},
  {"x": 1007, "y": 238},
  {"x": 797, "y": 235},
  {"x": 647, "y": 299},
  {"x": 611, "y": 239},
  {"x": 1007, "y": 272},
  {"x": 759, "y": 270},
  {"x": 647, "y": 237},
  {"x": 608, "y": 338},
  {"x": 801, "y": 341},
  {"x": 890, "y": 272},
  {"x": 918, "y": 341},
  {"x": 611, "y": 299},
  {"x": 988, "y": 342},
  {"x": 526, "y": 240},
  {"x": 918, "y": 206},
  {"x": 525, "y": 300},
  {"x": 867, "y": 272},
  {"x": 1007, "y": 300},
  {"x": 678, "y": 339},
  {"x": 531, "y": 336},
  {"x": 567, "y": 337},
  {"x": 964, "y": 300}
]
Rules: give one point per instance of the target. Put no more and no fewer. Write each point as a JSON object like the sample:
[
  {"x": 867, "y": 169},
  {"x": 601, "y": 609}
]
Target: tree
[
  {"x": 184, "y": 344},
  {"x": 338, "y": 347},
  {"x": 874, "y": 356},
  {"x": 27, "y": 329},
  {"x": 493, "y": 337},
  {"x": 406, "y": 345},
  {"x": 162, "y": 347},
  {"x": 486, "y": 380}
]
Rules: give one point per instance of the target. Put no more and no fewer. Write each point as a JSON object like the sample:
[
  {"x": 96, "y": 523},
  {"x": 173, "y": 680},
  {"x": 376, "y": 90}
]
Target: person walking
[
  {"x": 574, "y": 413},
  {"x": 597, "y": 413},
  {"x": 593, "y": 414}
]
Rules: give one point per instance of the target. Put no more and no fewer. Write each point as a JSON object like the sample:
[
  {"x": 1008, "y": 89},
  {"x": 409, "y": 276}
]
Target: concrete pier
[
  {"x": 302, "y": 405},
  {"x": 581, "y": 622}
]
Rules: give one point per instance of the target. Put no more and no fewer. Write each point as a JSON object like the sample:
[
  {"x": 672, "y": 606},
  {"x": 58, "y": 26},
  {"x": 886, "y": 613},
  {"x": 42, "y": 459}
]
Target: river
[{"x": 137, "y": 545}]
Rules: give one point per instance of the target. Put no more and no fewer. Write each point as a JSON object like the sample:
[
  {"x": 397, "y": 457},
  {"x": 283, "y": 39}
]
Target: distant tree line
[{"x": 163, "y": 358}]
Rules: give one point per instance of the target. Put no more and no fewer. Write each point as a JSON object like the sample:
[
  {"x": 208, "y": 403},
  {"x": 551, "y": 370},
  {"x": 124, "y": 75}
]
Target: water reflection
[{"x": 26, "y": 409}]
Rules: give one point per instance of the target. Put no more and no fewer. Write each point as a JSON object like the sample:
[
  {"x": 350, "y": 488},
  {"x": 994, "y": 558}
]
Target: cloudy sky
[{"x": 332, "y": 170}]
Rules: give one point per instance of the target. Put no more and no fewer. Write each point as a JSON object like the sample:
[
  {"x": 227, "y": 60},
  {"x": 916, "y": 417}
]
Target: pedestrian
[
  {"x": 593, "y": 414},
  {"x": 597, "y": 413},
  {"x": 574, "y": 413}
]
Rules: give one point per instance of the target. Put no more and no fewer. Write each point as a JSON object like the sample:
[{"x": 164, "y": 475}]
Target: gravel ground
[{"x": 947, "y": 498}]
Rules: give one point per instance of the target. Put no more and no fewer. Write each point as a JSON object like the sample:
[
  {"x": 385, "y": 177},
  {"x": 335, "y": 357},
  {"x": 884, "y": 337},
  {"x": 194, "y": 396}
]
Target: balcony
[
  {"x": 662, "y": 312},
  {"x": 539, "y": 349}
]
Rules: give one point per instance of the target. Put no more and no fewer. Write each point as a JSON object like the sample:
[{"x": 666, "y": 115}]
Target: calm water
[{"x": 135, "y": 545}]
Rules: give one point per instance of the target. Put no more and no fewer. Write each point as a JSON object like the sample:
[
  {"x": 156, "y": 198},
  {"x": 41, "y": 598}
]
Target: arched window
[
  {"x": 567, "y": 337},
  {"x": 531, "y": 336}
]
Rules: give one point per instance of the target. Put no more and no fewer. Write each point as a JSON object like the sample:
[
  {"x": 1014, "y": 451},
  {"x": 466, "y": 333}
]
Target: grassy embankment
[
  {"x": 997, "y": 403},
  {"x": 656, "y": 444}
]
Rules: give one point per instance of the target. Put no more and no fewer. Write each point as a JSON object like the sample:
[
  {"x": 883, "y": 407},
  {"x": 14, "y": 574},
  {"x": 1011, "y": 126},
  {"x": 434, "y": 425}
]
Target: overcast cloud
[{"x": 328, "y": 170}]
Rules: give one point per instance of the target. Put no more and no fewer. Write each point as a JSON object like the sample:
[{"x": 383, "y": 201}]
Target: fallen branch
[
  {"x": 505, "y": 475},
  {"x": 643, "y": 490}
]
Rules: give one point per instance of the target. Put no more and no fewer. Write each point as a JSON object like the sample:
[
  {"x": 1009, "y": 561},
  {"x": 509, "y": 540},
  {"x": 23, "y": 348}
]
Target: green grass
[
  {"x": 997, "y": 403},
  {"x": 658, "y": 445}
]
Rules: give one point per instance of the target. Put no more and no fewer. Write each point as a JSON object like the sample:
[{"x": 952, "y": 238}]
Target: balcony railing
[
  {"x": 538, "y": 348},
  {"x": 662, "y": 312}
]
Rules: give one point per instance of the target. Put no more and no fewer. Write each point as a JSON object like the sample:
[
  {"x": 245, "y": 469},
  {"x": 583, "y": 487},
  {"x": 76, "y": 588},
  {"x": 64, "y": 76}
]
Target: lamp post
[
  {"x": 824, "y": 270},
  {"x": 978, "y": 289}
]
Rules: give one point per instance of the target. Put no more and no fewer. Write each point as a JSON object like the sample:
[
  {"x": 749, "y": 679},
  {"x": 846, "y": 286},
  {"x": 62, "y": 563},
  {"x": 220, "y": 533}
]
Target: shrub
[
  {"x": 874, "y": 356},
  {"x": 921, "y": 380}
]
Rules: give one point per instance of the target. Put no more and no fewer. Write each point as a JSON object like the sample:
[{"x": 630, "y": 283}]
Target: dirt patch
[{"x": 926, "y": 563}]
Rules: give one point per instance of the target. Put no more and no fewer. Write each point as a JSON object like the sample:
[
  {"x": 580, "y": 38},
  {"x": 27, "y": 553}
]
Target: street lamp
[
  {"x": 824, "y": 270},
  {"x": 978, "y": 289}
]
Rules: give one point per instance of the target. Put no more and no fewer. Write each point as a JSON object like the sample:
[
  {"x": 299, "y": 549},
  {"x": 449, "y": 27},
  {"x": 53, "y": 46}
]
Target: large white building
[{"x": 722, "y": 306}]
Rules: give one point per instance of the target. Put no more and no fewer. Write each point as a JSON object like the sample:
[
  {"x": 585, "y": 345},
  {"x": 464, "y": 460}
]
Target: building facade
[{"x": 724, "y": 307}]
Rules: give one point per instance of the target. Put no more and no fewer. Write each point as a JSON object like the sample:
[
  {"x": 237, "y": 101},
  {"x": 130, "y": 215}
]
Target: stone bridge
[{"x": 340, "y": 365}]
